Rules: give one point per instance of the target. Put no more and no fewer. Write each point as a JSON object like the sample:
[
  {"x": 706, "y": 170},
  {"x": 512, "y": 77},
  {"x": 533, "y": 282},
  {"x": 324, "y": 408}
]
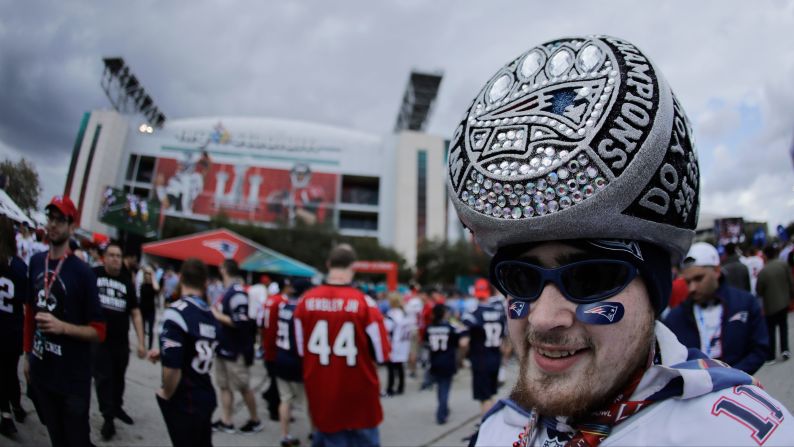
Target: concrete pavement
[{"x": 409, "y": 419}]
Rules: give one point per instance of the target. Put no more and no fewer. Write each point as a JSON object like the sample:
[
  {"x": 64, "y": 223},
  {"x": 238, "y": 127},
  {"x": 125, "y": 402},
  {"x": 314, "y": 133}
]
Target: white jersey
[
  {"x": 257, "y": 294},
  {"x": 25, "y": 248},
  {"x": 413, "y": 310},
  {"x": 736, "y": 415},
  {"x": 399, "y": 328},
  {"x": 754, "y": 265}
]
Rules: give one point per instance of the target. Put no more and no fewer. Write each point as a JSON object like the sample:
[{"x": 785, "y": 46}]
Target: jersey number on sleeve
[
  {"x": 344, "y": 343},
  {"x": 760, "y": 426},
  {"x": 6, "y": 293},
  {"x": 493, "y": 334},
  {"x": 205, "y": 351}
]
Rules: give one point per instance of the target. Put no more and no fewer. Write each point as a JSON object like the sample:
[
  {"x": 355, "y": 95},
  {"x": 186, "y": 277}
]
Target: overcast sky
[{"x": 731, "y": 63}]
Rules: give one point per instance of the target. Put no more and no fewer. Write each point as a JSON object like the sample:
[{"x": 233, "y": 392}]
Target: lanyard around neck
[{"x": 47, "y": 280}]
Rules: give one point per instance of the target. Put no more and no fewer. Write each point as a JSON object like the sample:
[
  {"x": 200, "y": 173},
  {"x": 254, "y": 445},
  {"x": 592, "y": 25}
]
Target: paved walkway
[{"x": 409, "y": 418}]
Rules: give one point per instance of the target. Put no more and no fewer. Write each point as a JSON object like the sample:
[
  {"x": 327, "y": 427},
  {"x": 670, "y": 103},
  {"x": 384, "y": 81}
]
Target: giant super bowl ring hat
[{"x": 576, "y": 138}]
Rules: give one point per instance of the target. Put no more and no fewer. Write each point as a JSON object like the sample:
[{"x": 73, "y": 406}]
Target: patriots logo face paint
[
  {"x": 604, "y": 312},
  {"x": 518, "y": 309}
]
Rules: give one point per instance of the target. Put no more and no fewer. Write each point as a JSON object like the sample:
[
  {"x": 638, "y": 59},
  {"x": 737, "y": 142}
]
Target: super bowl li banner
[{"x": 196, "y": 185}]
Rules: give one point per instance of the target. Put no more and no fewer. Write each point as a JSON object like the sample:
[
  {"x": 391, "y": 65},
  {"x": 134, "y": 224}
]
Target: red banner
[{"x": 199, "y": 186}]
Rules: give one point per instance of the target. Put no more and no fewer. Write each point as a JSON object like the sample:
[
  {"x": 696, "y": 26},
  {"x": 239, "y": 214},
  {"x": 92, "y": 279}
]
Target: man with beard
[
  {"x": 724, "y": 322},
  {"x": 574, "y": 167},
  {"x": 111, "y": 357},
  {"x": 62, "y": 318}
]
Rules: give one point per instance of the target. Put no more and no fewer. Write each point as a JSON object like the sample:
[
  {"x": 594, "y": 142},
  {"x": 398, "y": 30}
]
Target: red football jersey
[
  {"x": 270, "y": 326},
  {"x": 338, "y": 329}
]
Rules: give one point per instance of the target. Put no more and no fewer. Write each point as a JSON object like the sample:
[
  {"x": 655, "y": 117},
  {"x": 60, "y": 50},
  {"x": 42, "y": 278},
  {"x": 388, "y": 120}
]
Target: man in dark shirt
[
  {"x": 187, "y": 349},
  {"x": 735, "y": 273},
  {"x": 443, "y": 339},
  {"x": 724, "y": 322},
  {"x": 119, "y": 304},
  {"x": 13, "y": 293},
  {"x": 62, "y": 318},
  {"x": 289, "y": 365},
  {"x": 486, "y": 325},
  {"x": 235, "y": 350}
]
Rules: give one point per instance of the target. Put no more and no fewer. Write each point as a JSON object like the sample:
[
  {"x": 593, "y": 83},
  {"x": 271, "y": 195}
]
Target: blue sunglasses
[{"x": 581, "y": 282}]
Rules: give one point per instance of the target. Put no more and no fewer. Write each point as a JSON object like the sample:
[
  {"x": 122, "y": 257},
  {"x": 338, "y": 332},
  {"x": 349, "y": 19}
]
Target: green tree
[
  {"x": 439, "y": 262},
  {"x": 22, "y": 183},
  {"x": 307, "y": 243}
]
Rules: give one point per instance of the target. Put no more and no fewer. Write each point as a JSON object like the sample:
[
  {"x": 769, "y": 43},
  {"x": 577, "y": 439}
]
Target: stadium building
[{"x": 267, "y": 171}]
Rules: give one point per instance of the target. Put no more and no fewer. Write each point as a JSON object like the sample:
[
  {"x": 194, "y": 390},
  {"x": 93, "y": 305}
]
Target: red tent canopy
[{"x": 212, "y": 247}]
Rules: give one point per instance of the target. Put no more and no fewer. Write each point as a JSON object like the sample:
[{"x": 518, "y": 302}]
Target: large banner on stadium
[
  {"x": 129, "y": 212},
  {"x": 195, "y": 185},
  {"x": 729, "y": 230}
]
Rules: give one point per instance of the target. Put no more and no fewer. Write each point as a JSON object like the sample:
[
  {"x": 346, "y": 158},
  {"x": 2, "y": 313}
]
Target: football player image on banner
[
  {"x": 729, "y": 230},
  {"x": 180, "y": 182},
  {"x": 130, "y": 212},
  {"x": 302, "y": 201}
]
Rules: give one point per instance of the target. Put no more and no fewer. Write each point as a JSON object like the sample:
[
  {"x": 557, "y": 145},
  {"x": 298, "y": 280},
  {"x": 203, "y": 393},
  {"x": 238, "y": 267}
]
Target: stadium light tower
[
  {"x": 418, "y": 99},
  {"x": 126, "y": 93}
]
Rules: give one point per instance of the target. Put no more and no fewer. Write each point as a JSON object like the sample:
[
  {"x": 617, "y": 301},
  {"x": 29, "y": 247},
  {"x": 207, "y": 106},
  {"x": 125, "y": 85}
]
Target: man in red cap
[{"x": 62, "y": 318}]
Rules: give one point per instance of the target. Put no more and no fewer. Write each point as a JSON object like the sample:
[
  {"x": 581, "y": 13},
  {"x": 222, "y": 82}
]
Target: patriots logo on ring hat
[{"x": 576, "y": 138}]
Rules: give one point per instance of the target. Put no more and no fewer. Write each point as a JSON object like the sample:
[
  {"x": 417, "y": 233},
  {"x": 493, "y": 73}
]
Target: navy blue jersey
[
  {"x": 442, "y": 341},
  {"x": 187, "y": 343},
  {"x": 487, "y": 325},
  {"x": 58, "y": 362},
  {"x": 289, "y": 364},
  {"x": 117, "y": 297},
  {"x": 233, "y": 341},
  {"x": 13, "y": 293}
]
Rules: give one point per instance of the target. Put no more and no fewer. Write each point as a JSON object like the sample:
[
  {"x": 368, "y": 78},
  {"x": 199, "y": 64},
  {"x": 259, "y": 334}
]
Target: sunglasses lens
[
  {"x": 519, "y": 280},
  {"x": 595, "y": 280}
]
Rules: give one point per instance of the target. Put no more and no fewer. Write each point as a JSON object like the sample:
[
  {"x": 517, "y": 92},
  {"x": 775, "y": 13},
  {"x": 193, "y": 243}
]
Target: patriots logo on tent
[
  {"x": 227, "y": 248},
  {"x": 517, "y": 309}
]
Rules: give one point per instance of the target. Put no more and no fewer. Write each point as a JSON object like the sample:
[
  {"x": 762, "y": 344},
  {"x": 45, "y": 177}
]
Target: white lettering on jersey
[
  {"x": 331, "y": 305},
  {"x": 207, "y": 330},
  {"x": 53, "y": 348},
  {"x": 6, "y": 293},
  {"x": 491, "y": 316},
  {"x": 115, "y": 304}
]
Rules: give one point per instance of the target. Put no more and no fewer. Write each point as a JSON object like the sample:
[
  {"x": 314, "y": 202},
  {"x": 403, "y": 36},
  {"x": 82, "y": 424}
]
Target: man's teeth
[{"x": 556, "y": 354}]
